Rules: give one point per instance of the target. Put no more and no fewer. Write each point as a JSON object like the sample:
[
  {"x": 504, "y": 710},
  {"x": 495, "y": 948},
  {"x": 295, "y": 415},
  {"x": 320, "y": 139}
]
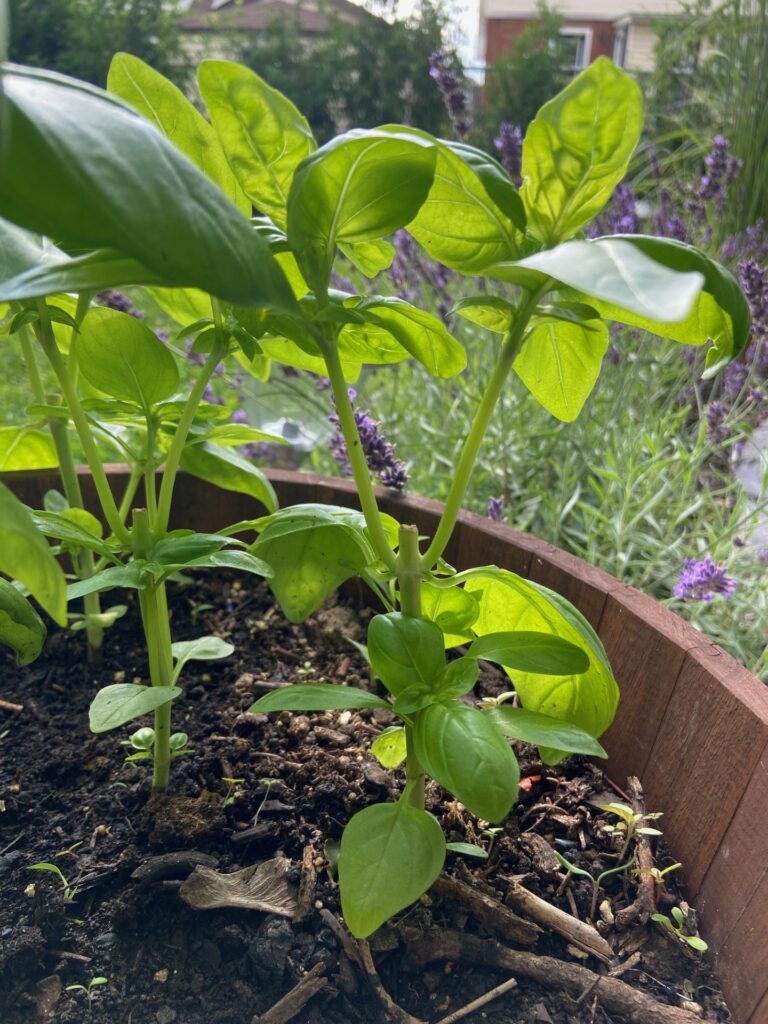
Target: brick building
[{"x": 620, "y": 29}]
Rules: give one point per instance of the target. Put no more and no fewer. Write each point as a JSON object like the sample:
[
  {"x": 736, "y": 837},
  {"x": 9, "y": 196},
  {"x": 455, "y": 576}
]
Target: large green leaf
[
  {"x": 420, "y": 333},
  {"x": 317, "y": 697},
  {"x": 25, "y": 556},
  {"x": 544, "y": 731},
  {"x": 122, "y": 357},
  {"x": 31, "y": 266},
  {"x": 459, "y": 224},
  {"x": 560, "y": 362},
  {"x": 390, "y": 855},
  {"x": 462, "y": 749},
  {"x": 312, "y": 549},
  {"x": 359, "y": 187},
  {"x": 82, "y": 168},
  {"x": 495, "y": 179},
  {"x": 166, "y": 106},
  {"x": 21, "y": 628},
  {"x": 122, "y": 702},
  {"x": 405, "y": 651},
  {"x": 527, "y": 651},
  {"x": 616, "y": 271},
  {"x": 508, "y": 602},
  {"x": 262, "y": 133},
  {"x": 578, "y": 148},
  {"x": 23, "y": 448},
  {"x": 229, "y": 471},
  {"x": 720, "y": 313}
]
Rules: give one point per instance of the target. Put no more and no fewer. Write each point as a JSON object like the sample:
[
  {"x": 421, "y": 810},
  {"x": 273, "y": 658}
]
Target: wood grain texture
[
  {"x": 646, "y": 646},
  {"x": 741, "y": 962},
  {"x": 713, "y": 735},
  {"x": 582, "y": 584},
  {"x": 739, "y": 867},
  {"x": 760, "y": 1016},
  {"x": 482, "y": 542}
]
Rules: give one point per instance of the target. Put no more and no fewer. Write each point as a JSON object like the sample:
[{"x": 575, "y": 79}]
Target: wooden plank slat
[
  {"x": 714, "y": 732},
  {"x": 479, "y": 541},
  {"x": 739, "y": 865},
  {"x": 760, "y": 1016},
  {"x": 583, "y": 585},
  {"x": 741, "y": 963},
  {"x": 646, "y": 646}
]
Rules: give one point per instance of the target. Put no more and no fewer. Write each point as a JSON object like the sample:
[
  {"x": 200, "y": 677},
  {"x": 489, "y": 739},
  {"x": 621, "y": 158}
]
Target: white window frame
[{"x": 585, "y": 34}]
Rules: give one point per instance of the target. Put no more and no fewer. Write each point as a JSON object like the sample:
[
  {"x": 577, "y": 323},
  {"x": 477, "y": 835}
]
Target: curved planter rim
[{"x": 692, "y": 722}]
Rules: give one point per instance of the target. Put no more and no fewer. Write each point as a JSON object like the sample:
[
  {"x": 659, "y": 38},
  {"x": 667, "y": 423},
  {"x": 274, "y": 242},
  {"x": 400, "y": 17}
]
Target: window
[
  {"x": 576, "y": 47},
  {"x": 620, "y": 45}
]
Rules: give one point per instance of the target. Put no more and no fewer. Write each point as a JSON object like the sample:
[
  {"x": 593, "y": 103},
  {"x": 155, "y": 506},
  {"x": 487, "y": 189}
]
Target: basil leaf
[
  {"x": 25, "y": 556},
  {"x": 359, "y": 187},
  {"x": 262, "y": 133},
  {"x": 577, "y": 150},
  {"x": 390, "y": 855},
  {"x": 317, "y": 697},
  {"x": 21, "y": 628},
  {"x": 82, "y": 168},
  {"x": 165, "y": 105},
  {"x": 463, "y": 750}
]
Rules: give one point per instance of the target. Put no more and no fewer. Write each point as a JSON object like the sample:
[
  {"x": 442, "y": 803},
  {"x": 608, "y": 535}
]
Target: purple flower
[
  {"x": 754, "y": 283},
  {"x": 454, "y": 96},
  {"x": 620, "y": 216},
  {"x": 496, "y": 509},
  {"x": 380, "y": 454},
  {"x": 239, "y": 416},
  {"x": 734, "y": 378},
  {"x": 701, "y": 580},
  {"x": 509, "y": 143},
  {"x": 116, "y": 300},
  {"x": 717, "y": 428}
]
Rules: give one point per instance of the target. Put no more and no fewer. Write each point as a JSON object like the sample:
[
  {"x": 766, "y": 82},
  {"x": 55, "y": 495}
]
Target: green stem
[
  {"x": 409, "y": 579},
  {"x": 173, "y": 458},
  {"x": 157, "y": 633},
  {"x": 48, "y": 342},
  {"x": 149, "y": 473},
  {"x": 84, "y": 562},
  {"x": 474, "y": 439},
  {"x": 355, "y": 453}
]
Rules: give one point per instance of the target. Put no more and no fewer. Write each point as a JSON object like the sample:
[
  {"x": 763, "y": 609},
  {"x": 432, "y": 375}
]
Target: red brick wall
[{"x": 502, "y": 32}]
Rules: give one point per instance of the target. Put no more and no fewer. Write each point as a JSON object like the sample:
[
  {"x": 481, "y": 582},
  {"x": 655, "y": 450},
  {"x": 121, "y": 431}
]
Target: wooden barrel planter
[{"x": 692, "y": 722}]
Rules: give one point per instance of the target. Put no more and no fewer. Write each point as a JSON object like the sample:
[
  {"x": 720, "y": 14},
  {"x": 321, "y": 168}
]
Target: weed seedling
[
  {"x": 67, "y": 890},
  {"x": 89, "y": 990},
  {"x": 595, "y": 882},
  {"x": 676, "y": 925},
  {"x": 231, "y": 794},
  {"x": 267, "y": 784},
  {"x": 629, "y": 825}
]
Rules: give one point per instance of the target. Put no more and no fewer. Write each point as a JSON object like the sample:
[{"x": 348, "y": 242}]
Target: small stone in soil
[
  {"x": 106, "y": 940},
  {"x": 165, "y": 1015}
]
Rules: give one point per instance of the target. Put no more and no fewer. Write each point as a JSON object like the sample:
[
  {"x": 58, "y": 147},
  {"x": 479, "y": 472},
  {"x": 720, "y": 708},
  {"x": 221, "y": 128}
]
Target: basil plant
[{"x": 137, "y": 187}]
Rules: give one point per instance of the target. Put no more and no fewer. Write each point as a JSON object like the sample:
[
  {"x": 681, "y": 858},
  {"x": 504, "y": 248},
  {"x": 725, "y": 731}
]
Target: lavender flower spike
[
  {"x": 496, "y": 509},
  {"x": 449, "y": 84},
  {"x": 379, "y": 453},
  {"x": 702, "y": 580},
  {"x": 509, "y": 143}
]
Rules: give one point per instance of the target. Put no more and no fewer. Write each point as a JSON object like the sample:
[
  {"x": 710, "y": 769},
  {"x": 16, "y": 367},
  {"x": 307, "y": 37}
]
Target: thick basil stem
[
  {"x": 474, "y": 439},
  {"x": 409, "y": 580}
]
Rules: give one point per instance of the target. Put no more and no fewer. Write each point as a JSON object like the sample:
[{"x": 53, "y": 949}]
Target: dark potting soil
[{"x": 67, "y": 797}]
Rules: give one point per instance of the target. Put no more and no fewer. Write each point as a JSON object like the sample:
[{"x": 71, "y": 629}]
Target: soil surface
[{"x": 67, "y": 797}]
